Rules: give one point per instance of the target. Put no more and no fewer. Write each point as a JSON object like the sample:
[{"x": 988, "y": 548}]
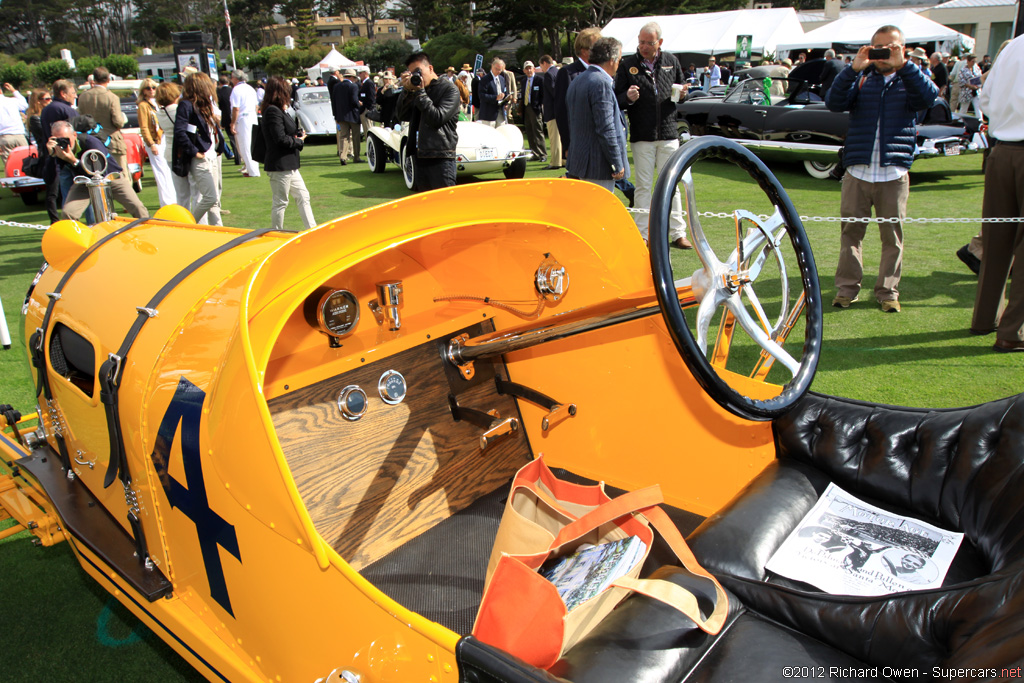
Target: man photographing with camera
[
  {"x": 431, "y": 106},
  {"x": 66, "y": 145},
  {"x": 882, "y": 90}
]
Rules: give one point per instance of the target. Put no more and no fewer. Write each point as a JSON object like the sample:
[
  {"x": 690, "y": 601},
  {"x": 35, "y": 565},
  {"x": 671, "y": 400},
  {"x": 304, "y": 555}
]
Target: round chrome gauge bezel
[
  {"x": 343, "y": 407},
  {"x": 321, "y": 317},
  {"x": 382, "y": 383}
]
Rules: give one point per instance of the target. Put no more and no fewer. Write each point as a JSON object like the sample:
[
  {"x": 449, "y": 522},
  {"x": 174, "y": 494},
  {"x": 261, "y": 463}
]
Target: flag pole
[{"x": 231, "y": 42}]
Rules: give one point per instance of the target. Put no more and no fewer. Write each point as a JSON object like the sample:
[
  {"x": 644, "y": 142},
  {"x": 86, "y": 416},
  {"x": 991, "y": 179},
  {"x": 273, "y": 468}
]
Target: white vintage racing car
[
  {"x": 481, "y": 149},
  {"x": 313, "y": 111}
]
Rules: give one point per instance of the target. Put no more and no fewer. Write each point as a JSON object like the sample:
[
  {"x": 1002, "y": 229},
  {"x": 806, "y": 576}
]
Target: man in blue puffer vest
[{"x": 882, "y": 96}]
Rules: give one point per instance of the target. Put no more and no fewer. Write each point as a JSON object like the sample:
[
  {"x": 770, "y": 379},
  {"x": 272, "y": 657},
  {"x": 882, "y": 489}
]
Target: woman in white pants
[
  {"x": 156, "y": 142},
  {"x": 284, "y": 142},
  {"x": 197, "y": 137},
  {"x": 167, "y": 95}
]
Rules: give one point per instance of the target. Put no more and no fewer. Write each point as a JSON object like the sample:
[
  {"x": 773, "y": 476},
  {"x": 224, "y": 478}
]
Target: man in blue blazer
[
  {"x": 597, "y": 125},
  {"x": 493, "y": 95}
]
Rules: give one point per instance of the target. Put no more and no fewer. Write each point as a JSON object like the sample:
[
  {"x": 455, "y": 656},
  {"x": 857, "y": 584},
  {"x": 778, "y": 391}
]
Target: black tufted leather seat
[{"x": 958, "y": 469}]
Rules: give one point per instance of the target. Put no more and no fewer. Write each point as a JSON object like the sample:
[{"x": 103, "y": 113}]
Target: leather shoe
[
  {"x": 682, "y": 243},
  {"x": 343, "y": 162},
  {"x": 969, "y": 259},
  {"x": 1008, "y": 346}
]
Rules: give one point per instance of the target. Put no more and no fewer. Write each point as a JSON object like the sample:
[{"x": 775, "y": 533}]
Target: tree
[
  {"x": 16, "y": 73},
  {"x": 383, "y": 53},
  {"x": 53, "y": 70},
  {"x": 353, "y": 49},
  {"x": 306, "y": 27},
  {"x": 124, "y": 66},
  {"x": 370, "y": 10},
  {"x": 454, "y": 49},
  {"x": 427, "y": 19},
  {"x": 85, "y": 66}
]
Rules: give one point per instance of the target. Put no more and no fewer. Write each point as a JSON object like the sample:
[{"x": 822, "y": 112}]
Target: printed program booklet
[
  {"x": 845, "y": 546},
  {"x": 592, "y": 568}
]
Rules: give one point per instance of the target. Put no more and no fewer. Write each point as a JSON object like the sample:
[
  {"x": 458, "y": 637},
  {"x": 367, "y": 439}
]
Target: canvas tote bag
[{"x": 522, "y": 613}]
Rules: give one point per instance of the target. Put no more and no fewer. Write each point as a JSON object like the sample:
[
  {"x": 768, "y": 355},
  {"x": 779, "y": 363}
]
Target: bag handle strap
[
  {"x": 627, "y": 503},
  {"x": 664, "y": 525},
  {"x": 646, "y": 502},
  {"x": 680, "y": 599}
]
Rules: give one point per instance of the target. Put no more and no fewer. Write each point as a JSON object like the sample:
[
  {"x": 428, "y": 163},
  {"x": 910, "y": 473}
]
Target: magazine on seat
[
  {"x": 592, "y": 568},
  {"x": 845, "y": 546}
]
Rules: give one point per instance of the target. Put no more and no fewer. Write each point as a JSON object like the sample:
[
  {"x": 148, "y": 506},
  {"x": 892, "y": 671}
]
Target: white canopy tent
[
  {"x": 713, "y": 32},
  {"x": 334, "y": 60},
  {"x": 857, "y": 29}
]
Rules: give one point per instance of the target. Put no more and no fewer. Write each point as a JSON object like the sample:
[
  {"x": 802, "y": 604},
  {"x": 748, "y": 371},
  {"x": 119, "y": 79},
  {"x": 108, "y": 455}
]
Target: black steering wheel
[{"x": 726, "y": 283}]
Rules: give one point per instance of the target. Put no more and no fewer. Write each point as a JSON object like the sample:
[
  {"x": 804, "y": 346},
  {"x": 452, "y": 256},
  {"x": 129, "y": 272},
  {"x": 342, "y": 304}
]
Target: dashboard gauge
[
  {"x": 392, "y": 387},
  {"x": 352, "y": 402},
  {"x": 334, "y": 312}
]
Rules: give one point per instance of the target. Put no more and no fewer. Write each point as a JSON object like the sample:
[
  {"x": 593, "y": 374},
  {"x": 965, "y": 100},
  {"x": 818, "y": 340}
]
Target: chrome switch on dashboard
[
  {"x": 352, "y": 402},
  {"x": 386, "y": 307},
  {"x": 392, "y": 387}
]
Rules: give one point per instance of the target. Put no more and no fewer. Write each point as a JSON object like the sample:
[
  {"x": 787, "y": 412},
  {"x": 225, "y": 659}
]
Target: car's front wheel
[
  {"x": 516, "y": 170},
  {"x": 376, "y": 155},
  {"x": 819, "y": 169},
  {"x": 408, "y": 168}
]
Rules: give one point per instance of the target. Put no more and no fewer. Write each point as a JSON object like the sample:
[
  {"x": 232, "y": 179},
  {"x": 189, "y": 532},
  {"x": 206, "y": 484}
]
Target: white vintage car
[
  {"x": 313, "y": 111},
  {"x": 481, "y": 149}
]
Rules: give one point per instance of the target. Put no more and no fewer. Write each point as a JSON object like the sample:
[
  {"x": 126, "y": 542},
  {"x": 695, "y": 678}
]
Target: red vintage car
[{"x": 29, "y": 188}]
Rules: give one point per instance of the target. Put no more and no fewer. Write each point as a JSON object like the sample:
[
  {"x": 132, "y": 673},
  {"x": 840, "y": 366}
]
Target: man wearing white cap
[{"x": 533, "y": 99}]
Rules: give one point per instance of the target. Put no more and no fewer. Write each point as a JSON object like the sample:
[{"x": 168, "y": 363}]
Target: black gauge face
[
  {"x": 392, "y": 387},
  {"x": 337, "y": 312}
]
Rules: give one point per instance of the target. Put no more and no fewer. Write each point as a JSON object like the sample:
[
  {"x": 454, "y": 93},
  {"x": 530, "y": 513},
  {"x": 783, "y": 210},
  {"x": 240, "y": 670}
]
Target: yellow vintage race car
[{"x": 289, "y": 453}]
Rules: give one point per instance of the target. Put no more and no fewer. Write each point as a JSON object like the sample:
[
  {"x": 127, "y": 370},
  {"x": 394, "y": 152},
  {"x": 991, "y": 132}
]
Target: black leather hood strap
[
  {"x": 111, "y": 371},
  {"x": 38, "y": 338}
]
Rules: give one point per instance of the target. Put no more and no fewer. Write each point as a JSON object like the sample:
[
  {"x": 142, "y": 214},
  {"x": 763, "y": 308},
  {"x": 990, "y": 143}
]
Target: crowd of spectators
[{"x": 577, "y": 115}]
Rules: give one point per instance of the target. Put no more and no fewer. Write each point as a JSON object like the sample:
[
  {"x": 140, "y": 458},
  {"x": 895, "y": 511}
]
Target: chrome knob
[{"x": 352, "y": 402}]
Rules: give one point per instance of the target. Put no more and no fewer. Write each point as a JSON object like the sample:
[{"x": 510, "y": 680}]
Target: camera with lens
[
  {"x": 64, "y": 143},
  {"x": 416, "y": 78}
]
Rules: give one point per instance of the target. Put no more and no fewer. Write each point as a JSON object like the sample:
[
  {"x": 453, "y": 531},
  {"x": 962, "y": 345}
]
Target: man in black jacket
[
  {"x": 60, "y": 108},
  {"x": 644, "y": 85},
  {"x": 549, "y": 73},
  {"x": 224, "y": 102},
  {"x": 533, "y": 102},
  {"x": 431, "y": 105}
]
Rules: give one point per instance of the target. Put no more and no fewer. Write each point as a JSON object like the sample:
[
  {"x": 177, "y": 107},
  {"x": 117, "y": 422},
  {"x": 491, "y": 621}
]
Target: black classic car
[{"x": 786, "y": 118}]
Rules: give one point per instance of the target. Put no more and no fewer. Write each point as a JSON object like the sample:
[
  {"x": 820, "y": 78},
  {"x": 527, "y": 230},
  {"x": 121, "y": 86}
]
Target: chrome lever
[{"x": 498, "y": 430}]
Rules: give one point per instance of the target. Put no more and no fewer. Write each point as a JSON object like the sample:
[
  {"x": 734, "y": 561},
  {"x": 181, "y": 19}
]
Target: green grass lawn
[{"x": 61, "y": 626}]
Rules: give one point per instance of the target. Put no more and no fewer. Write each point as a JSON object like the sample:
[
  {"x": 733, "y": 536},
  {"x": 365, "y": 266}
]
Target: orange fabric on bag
[{"x": 535, "y": 634}]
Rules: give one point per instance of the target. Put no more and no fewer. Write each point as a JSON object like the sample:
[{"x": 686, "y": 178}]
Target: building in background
[{"x": 341, "y": 29}]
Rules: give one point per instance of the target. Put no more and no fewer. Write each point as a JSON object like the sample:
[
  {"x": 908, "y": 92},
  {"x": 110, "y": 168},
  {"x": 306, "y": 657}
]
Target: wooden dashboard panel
[{"x": 375, "y": 483}]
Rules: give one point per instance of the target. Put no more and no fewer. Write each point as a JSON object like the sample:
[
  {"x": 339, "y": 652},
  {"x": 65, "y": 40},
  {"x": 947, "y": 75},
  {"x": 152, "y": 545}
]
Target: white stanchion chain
[
  {"x": 15, "y": 224},
  {"x": 726, "y": 214},
  {"x": 859, "y": 219}
]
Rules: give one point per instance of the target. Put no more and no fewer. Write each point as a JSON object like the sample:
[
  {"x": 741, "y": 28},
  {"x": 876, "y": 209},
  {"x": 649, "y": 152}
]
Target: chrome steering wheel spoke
[{"x": 732, "y": 284}]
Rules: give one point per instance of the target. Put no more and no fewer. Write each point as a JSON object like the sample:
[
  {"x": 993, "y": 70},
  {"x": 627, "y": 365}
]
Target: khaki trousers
[
  {"x": 555, "y": 141},
  {"x": 889, "y": 201},
  {"x": 648, "y": 158},
  {"x": 283, "y": 184},
  {"x": 7, "y": 145},
  {"x": 121, "y": 189},
  {"x": 346, "y": 131},
  {"x": 1002, "y": 245}
]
